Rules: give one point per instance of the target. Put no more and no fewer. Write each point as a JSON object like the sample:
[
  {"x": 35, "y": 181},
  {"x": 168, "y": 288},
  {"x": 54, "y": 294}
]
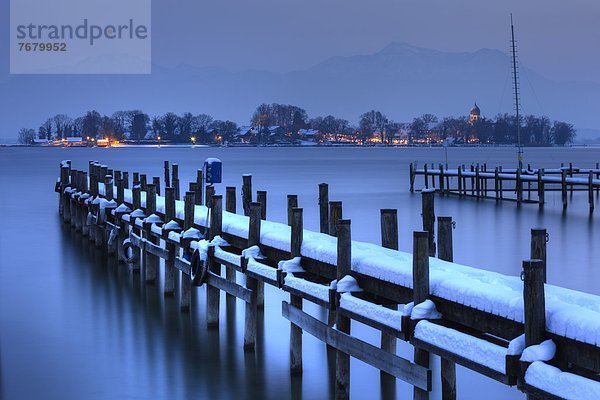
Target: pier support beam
[
  {"x": 296, "y": 301},
  {"x": 420, "y": 294},
  {"x": 251, "y": 307},
  {"x": 342, "y": 367}
]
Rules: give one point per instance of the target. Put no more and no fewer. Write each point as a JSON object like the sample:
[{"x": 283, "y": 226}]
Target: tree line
[{"x": 373, "y": 125}]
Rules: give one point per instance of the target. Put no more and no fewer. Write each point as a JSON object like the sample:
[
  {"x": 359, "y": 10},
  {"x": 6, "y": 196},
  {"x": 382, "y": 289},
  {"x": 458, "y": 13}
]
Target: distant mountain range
[{"x": 401, "y": 80}]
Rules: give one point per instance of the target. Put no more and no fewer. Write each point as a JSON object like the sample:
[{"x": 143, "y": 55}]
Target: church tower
[{"x": 474, "y": 114}]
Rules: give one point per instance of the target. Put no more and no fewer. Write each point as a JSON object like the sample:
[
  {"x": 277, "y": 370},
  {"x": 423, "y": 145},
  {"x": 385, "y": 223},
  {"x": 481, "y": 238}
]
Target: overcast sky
[{"x": 557, "y": 38}]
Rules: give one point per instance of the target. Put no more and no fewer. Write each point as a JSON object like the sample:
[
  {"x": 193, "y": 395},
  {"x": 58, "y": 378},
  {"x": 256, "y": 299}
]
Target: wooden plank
[
  {"x": 374, "y": 356},
  {"x": 396, "y": 333},
  {"x": 458, "y": 359},
  {"x": 230, "y": 287}
]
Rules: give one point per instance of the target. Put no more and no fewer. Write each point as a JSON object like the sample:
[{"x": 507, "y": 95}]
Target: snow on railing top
[{"x": 569, "y": 313}]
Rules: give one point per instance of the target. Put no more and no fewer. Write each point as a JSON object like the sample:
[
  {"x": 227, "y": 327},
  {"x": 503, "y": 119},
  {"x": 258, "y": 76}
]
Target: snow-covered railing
[
  {"x": 474, "y": 182},
  {"x": 480, "y": 310}
]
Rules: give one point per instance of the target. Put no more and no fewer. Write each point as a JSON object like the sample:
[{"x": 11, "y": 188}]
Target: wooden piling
[
  {"x": 389, "y": 240},
  {"x": 519, "y": 186},
  {"x": 188, "y": 222},
  {"x": 540, "y": 187},
  {"x": 324, "y": 205},
  {"x": 428, "y": 214},
  {"x": 460, "y": 181},
  {"x": 108, "y": 187},
  {"x": 477, "y": 182},
  {"x": 136, "y": 197},
  {"x": 230, "y": 200},
  {"x": 175, "y": 180},
  {"x": 230, "y": 206},
  {"x": 591, "y": 191},
  {"x": 420, "y": 294},
  {"x": 441, "y": 177},
  {"x": 344, "y": 257},
  {"x": 496, "y": 186},
  {"x": 425, "y": 176},
  {"x": 167, "y": 174},
  {"x": 534, "y": 302},
  {"x": 169, "y": 284},
  {"x": 143, "y": 182},
  {"x": 200, "y": 185},
  {"x": 120, "y": 191},
  {"x": 539, "y": 239},
  {"x": 292, "y": 202},
  {"x": 563, "y": 184},
  {"x": 213, "y": 293},
  {"x": 126, "y": 179},
  {"x": 261, "y": 197},
  {"x": 246, "y": 193},
  {"x": 251, "y": 307},
  {"x": 296, "y": 301},
  {"x": 445, "y": 252},
  {"x": 335, "y": 216},
  {"x": 411, "y": 173},
  {"x": 151, "y": 261},
  {"x": 156, "y": 183}
]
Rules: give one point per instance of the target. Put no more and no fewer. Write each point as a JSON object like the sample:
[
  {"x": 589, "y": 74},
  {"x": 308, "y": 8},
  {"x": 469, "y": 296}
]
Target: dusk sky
[{"x": 556, "y": 38}]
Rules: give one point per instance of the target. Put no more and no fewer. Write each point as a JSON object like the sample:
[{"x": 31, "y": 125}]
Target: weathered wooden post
[
  {"x": 246, "y": 193},
  {"x": 445, "y": 252},
  {"x": 411, "y": 172},
  {"x": 261, "y": 197},
  {"x": 85, "y": 189},
  {"x": 591, "y": 191},
  {"x": 251, "y": 307},
  {"x": 213, "y": 293},
  {"x": 389, "y": 240},
  {"x": 292, "y": 202},
  {"x": 496, "y": 186},
  {"x": 200, "y": 185},
  {"x": 120, "y": 191},
  {"x": 539, "y": 238},
  {"x": 441, "y": 179},
  {"x": 472, "y": 180},
  {"x": 540, "y": 187},
  {"x": 210, "y": 192},
  {"x": 519, "y": 186},
  {"x": 460, "y": 181},
  {"x": 126, "y": 179},
  {"x": 230, "y": 206},
  {"x": 230, "y": 200},
  {"x": 175, "y": 180},
  {"x": 167, "y": 174},
  {"x": 428, "y": 214},
  {"x": 534, "y": 302},
  {"x": 188, "y": 222},
  {"x": 477, "y": 182},
  {"x": 597, "y": 176},
  {"x": 563, "y": 184},
  {"x": 500, "y": 184},
  {"x": 137, "y": 204},
  {"x": 151, "y": 261},
  {"x": 344, "y": 257},
  {"x": 296, "y": 301},
  {"x": 420, "y": 294},
  {"x": 143, "y": 182},
  {"x": 335, "y": 216},
  {"x": 108, "y": 187},
  {"x": 324, "y": 206},
  {"x": 570, "y": 176},
  {"x": 425, "y": 176},
  {"x": 156, "y": 183},
  {"x": 169, "y": 284}
]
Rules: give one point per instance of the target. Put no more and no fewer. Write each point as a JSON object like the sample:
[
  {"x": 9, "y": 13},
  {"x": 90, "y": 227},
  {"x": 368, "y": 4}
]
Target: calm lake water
[{"x": 73, "y": 325}]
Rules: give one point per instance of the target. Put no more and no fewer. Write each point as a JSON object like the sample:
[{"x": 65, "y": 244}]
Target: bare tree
[
  {"x": 26, "y": 135},
  {"x": 62, "y": 125}
]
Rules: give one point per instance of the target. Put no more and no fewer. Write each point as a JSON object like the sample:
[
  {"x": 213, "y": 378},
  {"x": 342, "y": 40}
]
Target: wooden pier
[
  {"x": 523, "y": 186},
  {"x": 410, "y": 298}
]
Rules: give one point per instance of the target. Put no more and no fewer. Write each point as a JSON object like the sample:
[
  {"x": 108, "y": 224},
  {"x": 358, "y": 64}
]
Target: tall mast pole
[{"x": 516, "y": 89}]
